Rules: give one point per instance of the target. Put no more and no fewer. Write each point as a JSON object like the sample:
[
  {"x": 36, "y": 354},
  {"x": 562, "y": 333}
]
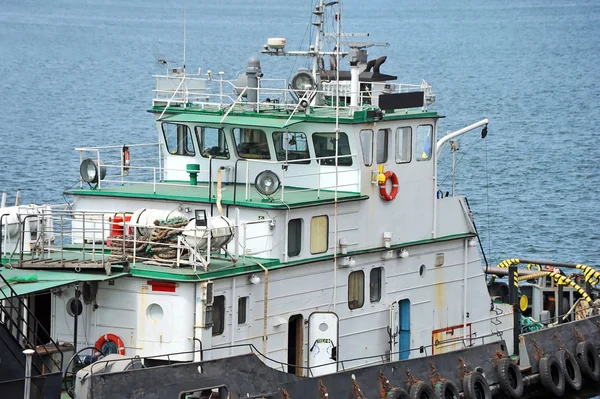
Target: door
[
  {"x": 295, "y": 342},
  {"x": 404, "y": 319},
  {"x": 323, "y": 343}
]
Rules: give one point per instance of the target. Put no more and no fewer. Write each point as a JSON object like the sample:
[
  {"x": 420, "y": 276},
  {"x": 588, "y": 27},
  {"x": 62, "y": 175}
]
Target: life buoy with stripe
[
  {"x": 111, "y": 338},
  {"x": 383, "y": 193}
]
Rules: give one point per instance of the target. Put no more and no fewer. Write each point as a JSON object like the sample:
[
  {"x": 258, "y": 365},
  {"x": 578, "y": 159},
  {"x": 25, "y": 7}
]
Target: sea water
[{"x": 79, "y": 72}]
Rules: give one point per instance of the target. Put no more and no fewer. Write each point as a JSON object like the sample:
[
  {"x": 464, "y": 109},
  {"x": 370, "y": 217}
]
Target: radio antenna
[{"x": 184, "y": 30}]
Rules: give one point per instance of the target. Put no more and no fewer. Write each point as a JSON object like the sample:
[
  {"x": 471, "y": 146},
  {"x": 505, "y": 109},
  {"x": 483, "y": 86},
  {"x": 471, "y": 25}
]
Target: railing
[
  {"x": 26, "y": 328},
  {"x": 215, "y": 93}
]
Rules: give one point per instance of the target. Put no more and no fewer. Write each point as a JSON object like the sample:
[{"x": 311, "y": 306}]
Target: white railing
[{"x": 209, "y": 92}]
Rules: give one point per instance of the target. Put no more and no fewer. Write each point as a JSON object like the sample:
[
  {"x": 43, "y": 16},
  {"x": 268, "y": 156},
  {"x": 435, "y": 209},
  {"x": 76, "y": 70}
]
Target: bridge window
[
  {"x": 356, "y": 289},
  {"x": 291, "y": 147},
  {"x": 319, "y": 233},
  {"x": 178, "y": 139},
  {"x": 251, "y": 143},
  {"x": 424, "y": 142},
  {"x": 403, "y": 144},
  {"x": 212, "y": 142},
  {"x": 294, "y": 237},
  {"x": 375, "y": 278},
  {"x": 366, "y": 144},
  {"x": 218, "y": 315},
  {"x": 325, "y": 148},
  {"x": 382, "y": 145}
]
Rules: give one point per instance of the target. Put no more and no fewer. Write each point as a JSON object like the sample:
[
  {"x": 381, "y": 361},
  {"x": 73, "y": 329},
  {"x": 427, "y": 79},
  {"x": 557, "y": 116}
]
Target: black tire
[
  {"x": 446, "y": 389},
  {"x": 552, "y": 376},
  {"x": 570, "y": 369},
  {"x": 421, "y": 390},
  {"x": 398, "y": 393},
  {"x": 588, "y": 360},
  {"x": 476, "y": 387},
  {"x": 510, "y": 378}
]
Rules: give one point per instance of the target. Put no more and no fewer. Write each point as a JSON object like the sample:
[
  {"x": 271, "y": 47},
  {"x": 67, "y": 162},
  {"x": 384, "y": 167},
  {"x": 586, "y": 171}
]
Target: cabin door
[
  {"x": 295, "y": 343},
  {"x": 404, "y": 328},
  {"x": 323, "y": 338}
]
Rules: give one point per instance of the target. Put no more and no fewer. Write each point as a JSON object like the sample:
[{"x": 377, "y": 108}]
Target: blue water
[{"x": 79, "y": 72}]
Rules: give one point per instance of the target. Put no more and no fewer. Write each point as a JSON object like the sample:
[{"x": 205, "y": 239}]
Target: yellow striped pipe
[{"x": 560, "y": 279}]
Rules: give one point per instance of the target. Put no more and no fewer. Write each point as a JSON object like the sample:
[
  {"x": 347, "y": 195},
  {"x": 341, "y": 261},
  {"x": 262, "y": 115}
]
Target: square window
[
  {"x": 242, "y": 309},
  {"x": 403, "y": 144},
  {"x": 291, "y": 147},
  {"x": 325, "y": 144},
  {"x": 294, "y": 237},
  {"x": 375, "y": 284},
  {"x": 212, "y": 142},
  {"x": 251, "y": 143},
  {"x": 178, "y": 139},
  {"x": 319, "y": 233},
  {"x": 356, "y": 289},
  {"x": 424, "y": 142}
]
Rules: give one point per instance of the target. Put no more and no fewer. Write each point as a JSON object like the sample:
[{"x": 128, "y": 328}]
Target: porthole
[
  {"x": 74, "y": 307},
  {"x": 422, "y": 270},
  {"x": 155, "y": 312},
  {"x": 323, "y": 327}
]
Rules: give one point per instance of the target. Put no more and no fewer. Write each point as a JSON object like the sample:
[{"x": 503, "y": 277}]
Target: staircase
[{"x": 19, "y": 330}]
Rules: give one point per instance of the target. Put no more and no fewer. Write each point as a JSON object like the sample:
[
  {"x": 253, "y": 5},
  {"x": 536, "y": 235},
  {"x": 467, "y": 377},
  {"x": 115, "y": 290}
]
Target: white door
[{"x": 322, "y": 343}]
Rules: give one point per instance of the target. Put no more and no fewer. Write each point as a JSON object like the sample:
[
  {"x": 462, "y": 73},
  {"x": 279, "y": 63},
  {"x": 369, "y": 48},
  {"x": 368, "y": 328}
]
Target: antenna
[{"x": 184, "y": 31}]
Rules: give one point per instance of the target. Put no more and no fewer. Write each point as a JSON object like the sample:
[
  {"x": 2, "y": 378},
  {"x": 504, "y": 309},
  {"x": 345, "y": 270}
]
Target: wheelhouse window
[
  {"x": 212, "y": 142},
  {"x": 366, "y": 144},
  {"x": 375, "y": 278},
  {"x": 382, "y": 146},
  {"x": 178, "y": 139},
  {"x": 403, "y": 144},
  {"x": 319, "y": 233},
  {"x": 324, "y": 144},
  {"x": 218, "y": 315},
  {"x": 242, "y": 309},
  {"x": 251, "y": 143},
  {"x": 356, "y": 289},
  {"x": 424, "y": 142},
  {"x": 291, "y": 147},
  {"x": 294, "y": 237}
]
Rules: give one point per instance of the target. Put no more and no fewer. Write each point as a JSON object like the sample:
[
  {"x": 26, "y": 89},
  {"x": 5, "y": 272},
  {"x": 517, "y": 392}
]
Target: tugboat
[{"x": 281, "y": 239}]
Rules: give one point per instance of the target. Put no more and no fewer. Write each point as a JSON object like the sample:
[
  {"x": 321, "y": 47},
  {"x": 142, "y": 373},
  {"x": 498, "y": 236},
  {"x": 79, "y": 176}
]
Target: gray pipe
[
  {"x": 27, "y": 389},
  {"x": 253, "y": 72}
]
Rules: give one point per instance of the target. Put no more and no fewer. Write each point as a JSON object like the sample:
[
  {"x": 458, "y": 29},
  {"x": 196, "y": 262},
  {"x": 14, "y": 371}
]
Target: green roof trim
[
  {"x": 257, "y": 120},
  {"x": 29, "y": 281}
]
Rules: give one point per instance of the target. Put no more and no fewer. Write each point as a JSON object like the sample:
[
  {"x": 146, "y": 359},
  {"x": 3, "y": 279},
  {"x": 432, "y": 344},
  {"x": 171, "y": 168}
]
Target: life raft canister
[
  {"x": 383, "y": 178},
  {"x": 113, "y": 341}
]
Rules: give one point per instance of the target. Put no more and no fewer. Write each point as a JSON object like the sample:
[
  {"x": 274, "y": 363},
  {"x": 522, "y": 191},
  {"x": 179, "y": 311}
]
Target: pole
[
  {"x": 75, "y": 315},
  {"x": 558, "y": 301},
  {"x": 27, "y": 389},
  {"x": 513, "y": 295}
]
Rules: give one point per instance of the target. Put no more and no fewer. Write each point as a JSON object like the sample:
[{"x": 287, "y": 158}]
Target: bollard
[{"x": 26, "y": 390}]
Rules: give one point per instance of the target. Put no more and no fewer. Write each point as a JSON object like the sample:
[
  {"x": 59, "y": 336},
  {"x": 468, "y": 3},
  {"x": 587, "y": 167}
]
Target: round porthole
[
  {"x": 323, "y": 327},
  {"x": 155, "y": 312},
  {"x": 422, "y": 270}
]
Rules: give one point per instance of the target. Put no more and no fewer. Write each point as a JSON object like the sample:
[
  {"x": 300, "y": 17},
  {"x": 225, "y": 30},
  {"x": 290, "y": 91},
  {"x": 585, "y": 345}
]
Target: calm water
[{"x": 79, "y": 72}]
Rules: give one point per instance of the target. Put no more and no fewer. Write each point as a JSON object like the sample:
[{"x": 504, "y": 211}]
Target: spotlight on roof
[
  {"x": 90, "y": 171},
  {"x": 267, "y": 183},
  {"x": 302, "y": 82}
]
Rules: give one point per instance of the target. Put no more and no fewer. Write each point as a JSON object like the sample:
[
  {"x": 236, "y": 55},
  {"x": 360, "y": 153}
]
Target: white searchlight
[
  {"x": 267, "y": 183},
  {"x": 302, "y": 82},
  {"x": 90, "y": 170}
]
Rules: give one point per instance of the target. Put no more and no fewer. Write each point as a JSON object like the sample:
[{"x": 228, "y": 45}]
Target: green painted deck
[{"x": 182, "y": 191}]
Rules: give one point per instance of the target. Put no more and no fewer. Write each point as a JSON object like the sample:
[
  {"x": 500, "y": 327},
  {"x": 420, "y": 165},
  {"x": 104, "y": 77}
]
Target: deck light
[
  {"x": 404, "y": 253},
  {"x": 267, "y": 183},
  {"x": 89, "y": 170},
  {"x": 302, "y": 82},
  {"x": 254, "y": 279}
]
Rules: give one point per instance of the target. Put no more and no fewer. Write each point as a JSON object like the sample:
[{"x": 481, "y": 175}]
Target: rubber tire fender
[
  {"x": 552, "y": 376},
  {"x": 422, "y": 390},
  {"x": 476, "y": 387},
  {"x": 588, "y": 360},
  {"x": 570, "y": 368},
  {"x": 398, "y": 393},
  {"x": 446, "y": 389},
  {"x": 510, "y": 378}
]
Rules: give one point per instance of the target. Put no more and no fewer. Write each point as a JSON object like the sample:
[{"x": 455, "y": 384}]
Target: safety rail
[
  {"x": 24, "y": 326},
  {"x": 206, "y": 91}
]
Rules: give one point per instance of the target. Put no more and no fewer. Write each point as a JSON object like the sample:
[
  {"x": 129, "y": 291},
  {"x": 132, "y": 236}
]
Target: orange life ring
[
  {"x": 383, "y": 186},
  {"x": 115, "y": 339}
]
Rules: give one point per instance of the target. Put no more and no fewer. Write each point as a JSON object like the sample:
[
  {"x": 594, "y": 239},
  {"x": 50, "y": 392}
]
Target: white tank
[
  {"x": 144, "y": 219},
  {"x": 10, "y": 221},
  {"x": 222, "y": 233}
]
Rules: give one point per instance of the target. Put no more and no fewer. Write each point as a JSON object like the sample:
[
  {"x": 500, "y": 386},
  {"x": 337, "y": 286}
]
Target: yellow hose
[{"x": 589, "y": 273}]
